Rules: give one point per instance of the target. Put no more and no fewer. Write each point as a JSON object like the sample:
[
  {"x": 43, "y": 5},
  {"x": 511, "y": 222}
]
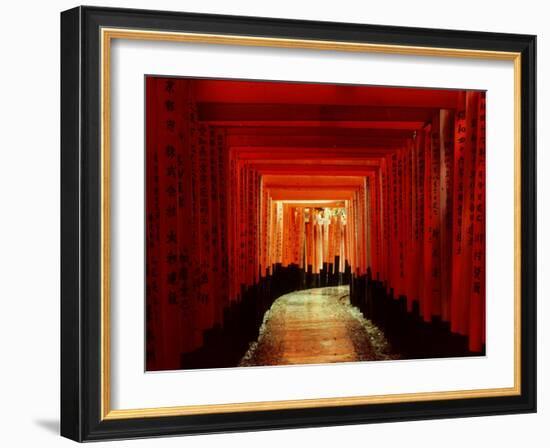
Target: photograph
[{"x": 312, "y": 223}]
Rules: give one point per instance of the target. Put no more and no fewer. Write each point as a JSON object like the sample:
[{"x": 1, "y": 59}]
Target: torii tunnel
[{"x": 257, "y": 189}]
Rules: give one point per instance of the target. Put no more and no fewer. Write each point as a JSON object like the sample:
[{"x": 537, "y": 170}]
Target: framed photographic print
[{"x": 275, "y": 224}]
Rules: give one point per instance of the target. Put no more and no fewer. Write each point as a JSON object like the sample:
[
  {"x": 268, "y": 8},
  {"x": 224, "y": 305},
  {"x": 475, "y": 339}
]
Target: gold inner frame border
[{"x": 106, "y": 37}]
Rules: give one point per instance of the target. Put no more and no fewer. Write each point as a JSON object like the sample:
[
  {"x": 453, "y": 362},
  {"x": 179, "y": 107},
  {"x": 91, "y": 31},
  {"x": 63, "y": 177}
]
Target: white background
[
  {"x": 29, "y": 228},
  {"x": 133, "y": 388}
]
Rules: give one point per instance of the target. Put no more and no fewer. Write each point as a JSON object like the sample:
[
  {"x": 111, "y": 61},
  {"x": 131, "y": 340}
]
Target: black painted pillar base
[
  {"x": 225, "y": 344},
  {"x": 409, "y": 335}
]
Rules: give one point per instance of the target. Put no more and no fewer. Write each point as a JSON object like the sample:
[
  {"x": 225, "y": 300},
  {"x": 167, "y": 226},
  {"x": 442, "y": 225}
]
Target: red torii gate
[{"x": 407, "y": 166}]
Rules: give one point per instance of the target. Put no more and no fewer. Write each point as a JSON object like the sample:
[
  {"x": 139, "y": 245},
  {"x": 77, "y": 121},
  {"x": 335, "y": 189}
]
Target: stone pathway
[{"x": 315, "y": 326}]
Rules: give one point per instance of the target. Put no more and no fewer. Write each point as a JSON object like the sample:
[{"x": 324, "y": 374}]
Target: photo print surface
[{"x": 308, "y": 223}]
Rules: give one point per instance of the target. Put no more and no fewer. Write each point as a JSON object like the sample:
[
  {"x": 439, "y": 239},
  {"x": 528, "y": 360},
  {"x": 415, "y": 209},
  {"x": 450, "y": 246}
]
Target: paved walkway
[{"x": 315, "y": 326}]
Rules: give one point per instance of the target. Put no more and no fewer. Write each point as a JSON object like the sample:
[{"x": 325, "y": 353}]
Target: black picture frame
[{"x": 81, "y": 224}]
